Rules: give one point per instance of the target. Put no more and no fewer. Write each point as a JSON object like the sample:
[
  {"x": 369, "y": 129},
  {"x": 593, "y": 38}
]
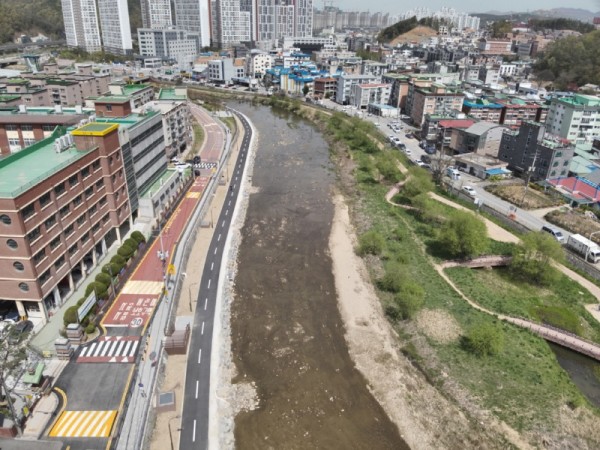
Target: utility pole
[{"x": 532, "y": 167}]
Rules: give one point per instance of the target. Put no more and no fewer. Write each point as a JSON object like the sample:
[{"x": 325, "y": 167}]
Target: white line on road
[
  {"x": 215, "y": 250},
  {"x": 202, "y": 330},
  {"x": 205, "y": 303},
  {"x": 199, "y": 355},
  {"x": 226, "y": 211},
  {"x": 223, "y": 224},
  {"x": 219, "y": 237},
  {"x": 197, "y": 388},
  {"x": 212, "y": 264},
  {"x": 229, "y": 203},
  {"x": 209, "y": 284},
  {"x": 194, "y": 432}
]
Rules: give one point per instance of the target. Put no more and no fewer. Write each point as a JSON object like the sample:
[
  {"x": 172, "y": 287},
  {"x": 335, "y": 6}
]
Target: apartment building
[
  {"x": 575, "y": 118},
  {"x": 63, "y": 202},
  {"x": 223, "y": 70},
  {"x": 175, "y": 44},
  {"x": 490, "y": 46},
  {"x": 176, "y": 119},
  {"x": 435, "y": 99},
  {"x": 19, "y": 91},
  {"x": 21, "y": 126},
  {"x": 194, "y": 16},
  {"x": 345, "y": 83},
  {"x": 532, "y": 150},
  {"x": 156, "y": 14},
  {"x": 115, "y": 27},
  {"x": 257, "y": 64},
  {"x": 482, "y": 109},
  {"x": 81, "y": 24},
  {"x": 362, "y": 95},
  {"x": 139, "y": 94},
  {"x": 516, "y": 111},
  {"x": 324, "y": 87}
]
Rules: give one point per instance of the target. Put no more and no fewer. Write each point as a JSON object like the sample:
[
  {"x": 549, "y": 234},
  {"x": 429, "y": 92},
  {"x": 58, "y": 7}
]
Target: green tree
[
  {"x": 125, "y": 252},
  {"x": 70, "y": 316},
  {"x": 464, "y": 235},
  {"x": 103, "y": 277},
  {"x": 370, "y": 243},
  {"x": 407, "y": 302},
  {"x": 305, "y": 90},
  {"x": 138, "y": 237},
  {"x": 100, "y": 289},
  {"x": 532, "y": 259},
  {"x": 387, "y": 167},
  {"x": 484, "y": 339},
  {"x": 418, "y": 182}
]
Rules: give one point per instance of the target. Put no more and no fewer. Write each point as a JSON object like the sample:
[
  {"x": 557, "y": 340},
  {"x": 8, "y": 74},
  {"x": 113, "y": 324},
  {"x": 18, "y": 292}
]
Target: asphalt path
[{"x": 194, "y": 421}]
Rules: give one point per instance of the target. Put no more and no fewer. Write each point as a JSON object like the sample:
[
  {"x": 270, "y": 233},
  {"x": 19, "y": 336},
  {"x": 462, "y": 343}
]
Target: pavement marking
[
  {"x": 229, "y": 203},
  {"x": 193, "y": 194},
  {"x": 84, "y": 424},
  {"x": 226, "y": 211},
  {"x": 205, "y": 303},
  {"x": 202, "y": 331},
  {"x": 199, "y": 355},
  {"x": 223, "y": 223},
  {"x": 197, "y": 383},
  {"x": 219, "y": 237},
  {"x": 212, "y": 265},
  {"x": 215, "y": 250},
  {"x": 110, "y": 349},
  {"x": 142, "y": 287},
  {"x": 208, "y": 287},
  {"x": 194, "y": 432}
]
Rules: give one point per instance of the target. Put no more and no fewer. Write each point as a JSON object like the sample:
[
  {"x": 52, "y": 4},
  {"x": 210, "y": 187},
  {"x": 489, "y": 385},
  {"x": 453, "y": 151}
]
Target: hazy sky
[{"x": 396, "y": 6}]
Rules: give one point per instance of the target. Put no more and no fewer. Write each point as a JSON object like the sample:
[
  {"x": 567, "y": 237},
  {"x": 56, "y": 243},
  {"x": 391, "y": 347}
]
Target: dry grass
[
  {"x": 574, "y": 222},
  {"x": 533, "y": 199},
  {"x": 438, "y": 325}
]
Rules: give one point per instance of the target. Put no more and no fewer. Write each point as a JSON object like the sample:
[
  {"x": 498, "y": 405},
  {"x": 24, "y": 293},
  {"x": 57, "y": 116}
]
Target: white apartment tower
[
  {"x": 156, "y": 13},
  {"x": 81, "y": 24},
  {"x": 231, "y": 24},
  {"x": 114, "y": 23},
  {"x": 276, "y": 19},
  {"x": 194, "y": 16},
  {"x": 303, "y": 23}
]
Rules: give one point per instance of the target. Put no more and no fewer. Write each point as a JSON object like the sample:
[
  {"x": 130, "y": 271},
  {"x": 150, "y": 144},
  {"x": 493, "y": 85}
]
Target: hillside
[
  {"x": 417, "y": 34},
  {"x": 31, "y": 17},
  {"x": 391, "y": 33}
]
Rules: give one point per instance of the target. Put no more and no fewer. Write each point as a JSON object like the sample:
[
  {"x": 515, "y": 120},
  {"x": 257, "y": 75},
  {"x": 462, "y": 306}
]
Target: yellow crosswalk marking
[
  {"x": 193, "y": 194},
  {"x": 143, "y": 287},
  {"x": 84, "y": 424}
]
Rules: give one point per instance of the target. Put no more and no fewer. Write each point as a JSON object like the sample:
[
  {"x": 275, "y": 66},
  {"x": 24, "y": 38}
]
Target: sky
[{"x": 395, "y": 6}]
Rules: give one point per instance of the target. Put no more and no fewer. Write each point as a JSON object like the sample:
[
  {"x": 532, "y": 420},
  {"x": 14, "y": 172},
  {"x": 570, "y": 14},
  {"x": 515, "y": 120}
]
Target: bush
[
  {"x": 138, "y": 237},
  {"x": 125, "y": 252},
  {"x": 109, "y": 270},
  {"x": 484, "y": 339},
  {"x": 70, "y": 316},
  {"x": 80, "y": 301},
  {"x": 100, "y": 288},
  {"x": 410, "y": 299},
  {"x": 90, "y": 328},
  {"x": 370, "y": 243},
  {"x": 464, "y": 235},
  {"x": 118, "y": 260},
  {"x": 132, "y": 243},
  {"x": 419, "y": 182},
  {"x": 104, "y": 276}
]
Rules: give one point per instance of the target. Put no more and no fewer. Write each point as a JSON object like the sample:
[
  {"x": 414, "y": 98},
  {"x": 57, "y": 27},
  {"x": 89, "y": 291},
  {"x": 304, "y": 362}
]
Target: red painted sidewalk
[{"x": 136, "y": 302}]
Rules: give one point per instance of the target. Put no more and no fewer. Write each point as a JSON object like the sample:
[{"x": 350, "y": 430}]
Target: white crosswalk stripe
[{"x": 118, "y": 349}]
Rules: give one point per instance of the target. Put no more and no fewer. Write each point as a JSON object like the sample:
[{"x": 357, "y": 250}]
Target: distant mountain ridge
[{"x": 568, "y": 13}]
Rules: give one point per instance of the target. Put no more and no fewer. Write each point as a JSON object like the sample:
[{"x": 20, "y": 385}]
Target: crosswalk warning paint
[
  {"x": 84, "y": 424},
  {"x": 110, "y": 349}
]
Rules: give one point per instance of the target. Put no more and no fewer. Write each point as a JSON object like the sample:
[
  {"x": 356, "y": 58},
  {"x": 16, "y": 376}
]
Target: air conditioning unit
[{"x": 57, "y": 147}]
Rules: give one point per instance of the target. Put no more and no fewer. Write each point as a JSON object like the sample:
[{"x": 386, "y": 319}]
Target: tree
[
  {"x": 125, "y": 252},
  {"x": 532, "y": 259},
  {"x": 138, "y": 237},
  {"x": 464, "y": 235},
  {"x": 70, "y": 316},
  {"x": 305, "y": 90},
  {"x": 484, "y": 339},
  {"x": 418, "y": 182},
  {"x": 100, "y": 289}
]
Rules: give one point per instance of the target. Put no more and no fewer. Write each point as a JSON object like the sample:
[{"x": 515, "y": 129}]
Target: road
[{"x": 194, "y": 421}]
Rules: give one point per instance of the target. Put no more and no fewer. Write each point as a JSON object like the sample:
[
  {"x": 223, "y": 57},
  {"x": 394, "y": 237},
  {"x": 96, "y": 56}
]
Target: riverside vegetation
[{"x": 489, "y": 367}]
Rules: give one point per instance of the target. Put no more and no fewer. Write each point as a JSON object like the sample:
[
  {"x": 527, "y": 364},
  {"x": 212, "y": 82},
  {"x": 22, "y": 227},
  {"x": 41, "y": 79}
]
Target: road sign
[
  {"x": 171, "y": 269},
  {"x": 136, "y": 322}
]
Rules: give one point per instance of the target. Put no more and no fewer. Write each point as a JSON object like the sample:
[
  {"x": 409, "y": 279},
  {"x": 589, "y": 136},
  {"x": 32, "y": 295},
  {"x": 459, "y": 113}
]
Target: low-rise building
[
  {"x": 345, "y": 83},
  {"x": 482, "y": 109},
  {"x": 435, "y": 99},
  {"x": 362, "y": 95},
  {"x": 170, "y": 44},
  {"x": 223, "y": 70}
]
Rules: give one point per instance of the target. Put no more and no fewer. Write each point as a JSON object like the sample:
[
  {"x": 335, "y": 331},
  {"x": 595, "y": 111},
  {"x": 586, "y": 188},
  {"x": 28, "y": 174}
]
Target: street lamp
[{"x": 170, "y": 432}]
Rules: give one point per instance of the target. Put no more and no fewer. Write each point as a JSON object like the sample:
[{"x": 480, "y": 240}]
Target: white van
[{"x": 453, "y": 173}]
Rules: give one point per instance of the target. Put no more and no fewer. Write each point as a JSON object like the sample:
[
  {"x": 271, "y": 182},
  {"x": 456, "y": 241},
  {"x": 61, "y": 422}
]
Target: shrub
[
  {"x": 70, "y": 316},
  {"x": 119, "y": 260},
  {"x": 125, "y": 252},
  {"x": 419, "y": 182},
  {"x": 109, "y": 270},
  {"x": 370, "y": 243},
  {"x": 80, "y": 301},
  {"x": 464, "y": 235},
  {"x": 104, "y": 276},
  {"x": 90, "y": 328},
  {"x": 484, "y": 339},
  {"x": 138, "y": 237},
  {"x": 100, "y": 289},
  {"x": 132, "y": 243}
]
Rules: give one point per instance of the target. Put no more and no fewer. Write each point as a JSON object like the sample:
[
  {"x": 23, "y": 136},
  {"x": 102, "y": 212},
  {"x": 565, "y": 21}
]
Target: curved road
[{"x": 194, "y": 420}]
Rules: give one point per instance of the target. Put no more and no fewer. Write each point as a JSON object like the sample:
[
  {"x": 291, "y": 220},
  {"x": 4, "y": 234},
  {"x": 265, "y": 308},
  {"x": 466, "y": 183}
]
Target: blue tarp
[{"x": 499, "y": 171}]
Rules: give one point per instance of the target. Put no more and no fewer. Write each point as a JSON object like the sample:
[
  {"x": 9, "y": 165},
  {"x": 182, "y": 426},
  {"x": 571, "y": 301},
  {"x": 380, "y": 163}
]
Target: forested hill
[
  {"x": 404, "y": 26},
  {"x": 43, "y": 16}
]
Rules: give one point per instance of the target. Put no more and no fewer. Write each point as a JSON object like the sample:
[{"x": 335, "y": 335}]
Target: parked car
[
  {"x": 470, "y": 191},
  {"x": 409, "y": 135},
  {"x": 554, "y": 232}
]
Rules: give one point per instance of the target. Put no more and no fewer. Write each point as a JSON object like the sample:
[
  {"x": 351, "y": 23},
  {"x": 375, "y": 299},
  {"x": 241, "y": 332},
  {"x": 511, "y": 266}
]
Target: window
[
  {"x": 19, "y": 267},
  {"x": 95, "y": 165},
  {"x": 108, "y": 107},
  {"x": 50, "y": 221},
  {"x": 5, "y": 219},
  {"x": 73, "y": 249},
  {"x": 77, "y": 201},
  {"x": 95, "y": 228},
  {"x": 12, "y": 244},
  {"x": 105, "y": 219},
  {"x": 33, "y": 234},
  {"x": 28, "y": 211},
  {"x": 103, "y": 202},
  {"x": 24, "y": 287},
  {"x": 73, "y": 180},
  {"x": 85, "y": 238},
  {"x": 110, "y": 160},
  {"x": 45, "y": 199},
  {"x": 10, "y": 127},
  {"x": 26, "y": 127},
  {"x": 39, "y": 256},
  {"x": 64, "y": 211},
  {"x": 44, "y": 277},
  {"x": 59, "y": 262},
  {"x": 99, "y": 184},
  {"x": 89, "y": 192},
  {"x": 54, "y": 242},
  {"x": 85, "y": 172},
  {"x": 69, "y": 230},
  {"x": 59, "y": 189},
  {"x": 93, "y": 210},
  {"x": 81, "y": 219},
  {"x": 48, "y": 127}
]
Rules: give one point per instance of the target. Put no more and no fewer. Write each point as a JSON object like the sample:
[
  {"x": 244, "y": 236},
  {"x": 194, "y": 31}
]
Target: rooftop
[
  {"x": 22, "y": 170},
  {"x": 170, "y": 94},
  {"x": 113, "y": 99},
  {"x": 160, "y": 180},
  {"x": 130, "y": 89},
  {"x": 127, "y": 121},
  {"x": 580, "y": 100}
]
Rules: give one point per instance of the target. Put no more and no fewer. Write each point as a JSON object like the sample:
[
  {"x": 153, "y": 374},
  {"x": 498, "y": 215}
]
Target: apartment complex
[
  {"x": 156, "y": 14},
  {"x": 435, "y": 99},
  {"x": 575, "y": 118},
  {"x": 194, "y": 16},
  {"x": 170, "y": 44},
  {"x": 362, "y": 95},
  {"x": 81, "y": 24},
  {"x": 115, "y": 28},
  {"x": 345, "y": 83},
  {"x": 63, "y": 202}
]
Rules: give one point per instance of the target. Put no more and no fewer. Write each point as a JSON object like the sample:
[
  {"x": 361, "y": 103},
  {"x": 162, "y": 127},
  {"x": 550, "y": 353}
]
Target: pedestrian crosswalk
[
  {"x": 84, "y": 424},
  {"x": 110, "y": 349},
  {"x": 205, "y": 165}
]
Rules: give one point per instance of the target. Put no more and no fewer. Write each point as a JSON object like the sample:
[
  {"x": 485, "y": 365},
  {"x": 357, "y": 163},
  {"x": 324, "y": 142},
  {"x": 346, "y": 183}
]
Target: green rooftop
[
  {"x": 128, "y": 121},
  {"x": 581, "y": 100},
  {"x": 130, "y": 89},
  {"x": 169, "y": 94},
  {"x": 158, "y": 182},
  {"x": 23, "y": 170},
  {"x": 9, "y": 97}
]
